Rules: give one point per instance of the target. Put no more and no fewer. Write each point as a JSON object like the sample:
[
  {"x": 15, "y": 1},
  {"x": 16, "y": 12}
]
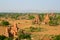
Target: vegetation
[
  {"x": 23, "y": 35},
  {"x": 41, "y": 17},
  {"x": 5, "y": 23},
  {"x": 15, "y": 16},
  {"x": 58, "y": 18},
  {"x": 53, "y": 21},
  {"x": 29, "y": 32},
  {"x": 31, "y": 17},
  {"x": 35, "y": 29},
  {"x": 10, "y": 38},
  {"x": 2, "y": 37},
  {"x": 57, "y": 37}
]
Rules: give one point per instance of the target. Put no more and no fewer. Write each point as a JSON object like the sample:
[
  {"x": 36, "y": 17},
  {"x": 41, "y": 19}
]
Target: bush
[
  {"x": 5, "y": 23},
  {"x": 31, "y": 17},
  {"x": 15, "y": 16},
  {"x": 53, "y": 23},
  {"x": 10, "y": 38},
  {"x": 33, "y": 29},
  {"x": 2, "y": 37},
  {"x": 41, "y": 17},
  {"x": 22, "y": 35},
  {"x": 57, "y": 37},
  {"x": 51, "y": 18}
]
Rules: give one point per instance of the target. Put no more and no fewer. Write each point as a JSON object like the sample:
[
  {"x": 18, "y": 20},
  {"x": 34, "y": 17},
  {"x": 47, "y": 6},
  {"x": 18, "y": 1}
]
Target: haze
[{"x": 29, "y": 5}]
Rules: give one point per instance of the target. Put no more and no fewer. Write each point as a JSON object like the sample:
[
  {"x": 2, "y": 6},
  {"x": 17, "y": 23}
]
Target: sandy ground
[{"x": 48, "y": 30}]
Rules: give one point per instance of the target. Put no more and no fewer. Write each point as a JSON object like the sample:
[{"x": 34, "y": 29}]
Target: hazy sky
[{"x": 29, "y": 5}]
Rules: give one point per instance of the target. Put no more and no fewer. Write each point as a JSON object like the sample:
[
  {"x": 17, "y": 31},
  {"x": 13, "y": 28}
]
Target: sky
[{"x": 29, "y": 5}]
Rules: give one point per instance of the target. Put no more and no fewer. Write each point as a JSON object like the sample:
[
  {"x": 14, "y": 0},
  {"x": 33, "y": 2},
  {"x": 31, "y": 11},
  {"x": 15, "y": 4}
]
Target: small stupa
[
  {"x": 14, "y": 30},
  {"x": 46, "y": 18},
  {"x": 36, "y": 20}
]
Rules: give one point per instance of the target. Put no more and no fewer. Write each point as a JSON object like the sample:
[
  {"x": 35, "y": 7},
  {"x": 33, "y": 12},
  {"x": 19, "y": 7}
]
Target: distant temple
[
  {"x": 36, "y": 20},
  {"x": 46, "y": 18}
]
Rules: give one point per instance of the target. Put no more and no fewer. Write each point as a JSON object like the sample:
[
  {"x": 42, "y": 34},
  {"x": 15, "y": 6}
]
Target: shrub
[
  {"x": 31, "y": 17},
  {"x": 53, "y": 23},
  {"x": 33, "y": 29},
  {"x": 51, "y": 18},
  {"x": 2, "y": 37},
  {"x": 5, "y": 23},
  {"x": 57, "y": 37},
  {"x": 41, "y": 17},
  {"x": 23, "y": 35},
  {"x": 10, "y": 38},
  {"x": 15, "y": 16}
]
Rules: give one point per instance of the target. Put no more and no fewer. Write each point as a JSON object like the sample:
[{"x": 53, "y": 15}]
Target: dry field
[{"x": 24, "y": 22}]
